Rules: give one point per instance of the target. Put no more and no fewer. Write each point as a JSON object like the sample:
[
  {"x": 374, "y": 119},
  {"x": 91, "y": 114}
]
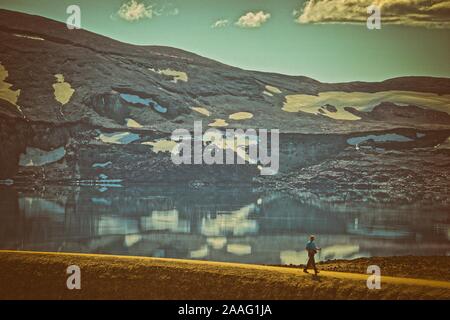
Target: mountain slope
[
  {"x": 96, "y": 67},
  {"x": 80, "y": 91}
]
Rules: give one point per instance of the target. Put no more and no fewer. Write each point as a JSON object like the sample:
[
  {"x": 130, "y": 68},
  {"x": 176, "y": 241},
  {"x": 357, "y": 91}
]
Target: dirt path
[{"x": 42, "y": 275}]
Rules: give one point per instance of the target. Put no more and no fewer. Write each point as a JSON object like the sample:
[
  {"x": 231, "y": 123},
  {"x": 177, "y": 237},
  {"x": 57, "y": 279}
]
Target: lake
[{"x": 235, "y": 224}]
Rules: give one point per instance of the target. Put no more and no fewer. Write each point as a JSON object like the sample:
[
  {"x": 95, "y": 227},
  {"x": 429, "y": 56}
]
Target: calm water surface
[{"x": 236, "y": 224}]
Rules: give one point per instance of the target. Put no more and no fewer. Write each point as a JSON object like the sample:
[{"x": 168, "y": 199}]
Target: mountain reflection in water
[{"x": 236, "y": 225}]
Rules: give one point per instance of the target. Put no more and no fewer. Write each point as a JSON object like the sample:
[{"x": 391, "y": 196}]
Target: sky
[{"x": 327, "y": 40}]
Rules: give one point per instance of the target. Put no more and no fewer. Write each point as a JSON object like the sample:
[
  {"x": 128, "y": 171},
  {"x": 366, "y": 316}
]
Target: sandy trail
[{"x": 42, "y": 275}]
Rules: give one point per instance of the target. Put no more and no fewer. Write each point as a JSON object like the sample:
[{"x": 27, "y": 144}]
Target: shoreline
[
  {"x": 42, "y": 275},
  {"x": 409, "y": 266}
]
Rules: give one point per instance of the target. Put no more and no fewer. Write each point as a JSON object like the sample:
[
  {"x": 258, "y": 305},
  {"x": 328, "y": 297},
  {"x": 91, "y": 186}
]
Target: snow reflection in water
[{"x": 227, "y": 224}]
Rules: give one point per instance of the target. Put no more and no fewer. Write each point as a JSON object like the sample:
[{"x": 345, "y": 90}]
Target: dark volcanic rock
[
  {"x": 110, "y": 105},
  {"x": 330, "y": 108},
  {"x": 377, "y": 177},
  {"x": 14, "y": 134},
  {"x": 387, "y": 111}
]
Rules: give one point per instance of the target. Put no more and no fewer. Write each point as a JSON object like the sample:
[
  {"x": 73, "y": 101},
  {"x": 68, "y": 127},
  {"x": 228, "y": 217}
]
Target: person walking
[{"x": 312, "y": 249}]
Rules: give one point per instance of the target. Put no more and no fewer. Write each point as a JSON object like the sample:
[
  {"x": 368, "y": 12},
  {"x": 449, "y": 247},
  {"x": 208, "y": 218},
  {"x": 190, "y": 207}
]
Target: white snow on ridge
[
  {"x": 34, "y": 157},
  {"x": 28, "y": 36},
  {"x": 102, "y": 165},
  {"x": 362, "y": 101},
  {"x": 118, "y": 137},
  {"x": 175, "y": 74},
  {"x": 133, "y": 123},
  {"x": 388, "y": 137},
  {"x": 272, "y": 89}
]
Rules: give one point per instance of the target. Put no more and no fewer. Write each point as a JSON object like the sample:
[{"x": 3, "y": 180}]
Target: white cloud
[
  {"x": 134, "y": 11},
  {"x": 174, "y": 12},
  {"x": 423, "y": 13},
  {"x": 167, "y": 9},
  {"x": 253, "y": 19},
  {"x": 220, "y": 23}
]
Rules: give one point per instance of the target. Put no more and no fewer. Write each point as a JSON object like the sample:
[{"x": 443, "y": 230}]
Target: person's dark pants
[{"x": 311, "y": 261}]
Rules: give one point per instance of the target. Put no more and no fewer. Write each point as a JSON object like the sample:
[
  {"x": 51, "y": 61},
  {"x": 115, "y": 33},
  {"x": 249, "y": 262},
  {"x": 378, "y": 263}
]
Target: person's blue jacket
[{"x": 311, "y": 246}]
